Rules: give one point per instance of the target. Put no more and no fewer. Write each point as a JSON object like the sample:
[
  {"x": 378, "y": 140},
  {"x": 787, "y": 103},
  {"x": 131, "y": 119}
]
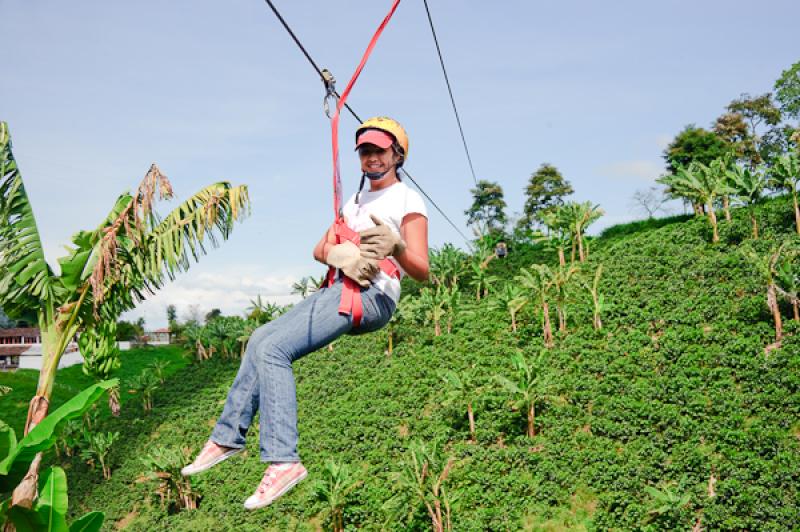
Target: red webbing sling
[{"x": 350, "y": 302}]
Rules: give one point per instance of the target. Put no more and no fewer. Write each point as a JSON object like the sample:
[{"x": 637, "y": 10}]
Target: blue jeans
[{"x": 265, "y": 380}]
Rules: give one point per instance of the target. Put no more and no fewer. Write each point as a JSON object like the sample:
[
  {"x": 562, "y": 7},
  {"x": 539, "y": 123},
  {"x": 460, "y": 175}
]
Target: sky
[{"x": 96, "y": 91}]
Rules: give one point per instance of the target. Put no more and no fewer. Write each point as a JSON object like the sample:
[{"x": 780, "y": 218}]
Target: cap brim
[{"x": 376, "y": 137}]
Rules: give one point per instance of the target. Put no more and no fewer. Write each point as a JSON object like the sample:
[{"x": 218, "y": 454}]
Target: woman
[{"x": 391, "y": 225}]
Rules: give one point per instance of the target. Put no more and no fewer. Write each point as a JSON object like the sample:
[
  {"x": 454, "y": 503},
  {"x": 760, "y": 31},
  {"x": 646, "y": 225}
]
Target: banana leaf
[{"x": 43, "y": 436}]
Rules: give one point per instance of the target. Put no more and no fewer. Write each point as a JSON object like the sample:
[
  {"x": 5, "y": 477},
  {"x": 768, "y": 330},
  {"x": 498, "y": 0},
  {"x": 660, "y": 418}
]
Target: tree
[
  {"x": 767, "y": 267},
  {"x": 597, "y": 298},
  {"x": 748, "y": 187},
  {"x": 559, "y": 234},
  {"x": 787, "y": 91},
  {"x": 446, "y": 265},
  {"x": 459, "y": 388},
  {"x": 432, "y": 303},
  {"x": 212, "y": 315},
  {"x": 108, "y": 270},
  {"x": 127, "y": 331},
  {"x": 757, "y": 111},
  {"x": 337, "y": 481},
  {"x": 577, "y": 217},
  {"x": 786, "y": 174},
  {"x": 481, "y": 280},
  {"x": 303, "y": 287},
  {"x": 172, "y": 313},
  {"x": 546, "y": 189},
  {"x": 562, "y": 291},
  {"x": 539, "y": 280},
  {"x": 694, "y": 144},
  {"x": 530, "y": 386},
  {"x": 510, "y": 299},
  {"x": 421, "y": 481},
  {"x": 488, "y": 206},
  {"x": 650, "y": 200},
  {"x": 702, "y": 185},
  {"x": 733, "y": 129}
]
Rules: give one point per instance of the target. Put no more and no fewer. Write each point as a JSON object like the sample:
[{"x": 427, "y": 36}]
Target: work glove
[
  {"x": 347, "y": 257},
  {"x": 380, "y": 241}
]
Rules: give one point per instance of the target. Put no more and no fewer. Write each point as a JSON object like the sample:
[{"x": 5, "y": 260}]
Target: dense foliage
[{"x": 669, "y": 415}]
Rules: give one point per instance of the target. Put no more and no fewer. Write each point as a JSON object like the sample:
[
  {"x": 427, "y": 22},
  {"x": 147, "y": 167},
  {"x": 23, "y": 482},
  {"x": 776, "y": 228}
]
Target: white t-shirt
[{"x": 391, "y": 205}]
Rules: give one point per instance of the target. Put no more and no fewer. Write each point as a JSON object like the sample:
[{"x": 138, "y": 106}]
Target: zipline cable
[
  {"x": 358, "y": 118},
  {"x": 450, "y": 90}
]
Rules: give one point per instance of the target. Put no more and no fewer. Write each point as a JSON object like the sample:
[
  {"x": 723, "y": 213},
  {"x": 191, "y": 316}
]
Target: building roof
[
  {"x": 13, "y": 350},
  {"x": 165, "y": 330},
  {"x": 28, "y": 331}
]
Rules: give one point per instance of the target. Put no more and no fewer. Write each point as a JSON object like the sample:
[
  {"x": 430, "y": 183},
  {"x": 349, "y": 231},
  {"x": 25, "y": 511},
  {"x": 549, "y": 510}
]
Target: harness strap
[
  {"x": 351, "y": 303},
  {"x": 351, "y": 292}
]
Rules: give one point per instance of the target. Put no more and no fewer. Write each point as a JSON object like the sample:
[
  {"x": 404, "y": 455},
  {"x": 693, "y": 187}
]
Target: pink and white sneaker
[
  {"x": 278, "y": 479},
  {"x": 211, "y": 455}
]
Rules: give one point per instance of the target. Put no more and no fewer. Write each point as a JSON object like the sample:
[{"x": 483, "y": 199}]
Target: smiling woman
[{"x": 382, "y": 236}]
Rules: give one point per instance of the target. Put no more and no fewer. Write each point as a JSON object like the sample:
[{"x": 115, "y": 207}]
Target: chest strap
[{"x": 350, "y": 303}]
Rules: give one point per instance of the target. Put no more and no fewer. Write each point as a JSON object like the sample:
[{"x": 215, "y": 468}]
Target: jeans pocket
[{"x": 378, "y": 310}]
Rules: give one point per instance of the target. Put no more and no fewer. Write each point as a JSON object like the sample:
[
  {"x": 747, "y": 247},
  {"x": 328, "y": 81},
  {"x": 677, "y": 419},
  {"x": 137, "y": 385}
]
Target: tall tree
[
  {"x": 694, "y": 144},
  {"x": 546, "y": 188},
  {"x": 108, "y": 270},
  {"x": 758, "y": 111},
  {"x": 488, "y": 206},
  {"x": 172, "y": 314},
  {"x": 787, "y": 91}
]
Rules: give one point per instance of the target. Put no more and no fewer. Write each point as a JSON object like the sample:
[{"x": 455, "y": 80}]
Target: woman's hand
[{"x": 380, "y": 241}]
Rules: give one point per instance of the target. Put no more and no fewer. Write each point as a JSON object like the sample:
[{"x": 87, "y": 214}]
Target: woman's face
[{"x": 375, "y": 159}]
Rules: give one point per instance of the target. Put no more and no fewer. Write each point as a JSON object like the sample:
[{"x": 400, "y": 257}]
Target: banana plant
[
  {"x": 481, "y": 280},
  {"x": 17, "y": 458},
  {"x": 577, "y": 217},
  {"x": 50, "y": 511},
  {"x": 446, "y": 265},
  {"x": 598, "y": 301},
  {"x": 432, "y": 303},
  {"x": 96, "y": 449},
  {"x": 748, "y": 185},
  {"x": 538, "y": 279},
  {"x": 529, "y": 387},
  {"x": 107, "y": 271},
  {"x": 785, "y": 173},
  {"x": 421, "y": 481},
  {"x": 337, "y": 482},
  {"x": 510, "y": 299},
  {"x": 163, "y": 473},
  {"x": 558, "y": 234},
  {"x": 460, "y": 388}
]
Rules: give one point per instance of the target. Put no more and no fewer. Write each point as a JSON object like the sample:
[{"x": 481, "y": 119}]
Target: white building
[{"x": 22, "y": 349}]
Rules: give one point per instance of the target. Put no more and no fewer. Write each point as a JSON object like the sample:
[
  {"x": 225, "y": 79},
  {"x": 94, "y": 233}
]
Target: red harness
[
  {"x": 350, "y": 303},
  {"x": 351, "y": 291}
]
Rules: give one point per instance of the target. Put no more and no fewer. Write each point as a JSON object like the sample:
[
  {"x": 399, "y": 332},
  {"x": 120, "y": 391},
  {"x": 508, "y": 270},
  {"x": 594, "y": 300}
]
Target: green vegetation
[{"x": 668, "y": 416}]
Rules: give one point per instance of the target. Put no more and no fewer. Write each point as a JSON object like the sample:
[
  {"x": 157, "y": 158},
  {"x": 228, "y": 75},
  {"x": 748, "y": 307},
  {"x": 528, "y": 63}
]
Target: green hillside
[{"x": 669, "y": 416}]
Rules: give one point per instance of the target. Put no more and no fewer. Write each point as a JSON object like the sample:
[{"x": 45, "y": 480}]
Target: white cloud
[
  {"x": 637, "y": 170},
  {"x": 231, "y": 292}
]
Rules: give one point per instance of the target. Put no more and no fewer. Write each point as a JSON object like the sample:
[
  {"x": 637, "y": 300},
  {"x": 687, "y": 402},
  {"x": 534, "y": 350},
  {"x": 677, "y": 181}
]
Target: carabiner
[{"x": 330, "y": 91}]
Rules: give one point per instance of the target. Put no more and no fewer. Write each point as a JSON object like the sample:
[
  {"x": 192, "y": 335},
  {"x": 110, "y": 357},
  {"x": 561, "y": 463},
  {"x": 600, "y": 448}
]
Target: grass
[{"x": 71, "y": 380}]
